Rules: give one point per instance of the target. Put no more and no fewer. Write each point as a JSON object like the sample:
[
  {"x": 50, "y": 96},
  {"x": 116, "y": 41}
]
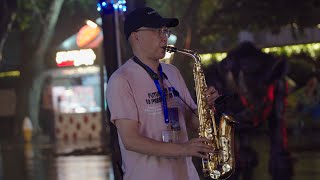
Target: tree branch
[
  {"x": 47, "y": 33},
  {"x": 6, "y": 33},
  {"x": 37, "y": 10}
]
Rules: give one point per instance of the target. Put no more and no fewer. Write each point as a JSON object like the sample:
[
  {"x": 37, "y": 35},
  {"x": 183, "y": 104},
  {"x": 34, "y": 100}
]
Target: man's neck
[{"x": 152, "y": 63}]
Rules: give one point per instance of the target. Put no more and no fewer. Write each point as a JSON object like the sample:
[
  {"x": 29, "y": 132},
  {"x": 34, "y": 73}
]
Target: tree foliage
[
  {"x": 35, "y": 23},
  {"x": 221, "y": 20},
  {"x": 213, "y": 25},
  {"x": 35, "y": 11}
]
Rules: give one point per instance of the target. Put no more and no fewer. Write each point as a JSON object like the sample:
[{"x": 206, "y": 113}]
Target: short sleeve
[{"x": 120, "y": 99}]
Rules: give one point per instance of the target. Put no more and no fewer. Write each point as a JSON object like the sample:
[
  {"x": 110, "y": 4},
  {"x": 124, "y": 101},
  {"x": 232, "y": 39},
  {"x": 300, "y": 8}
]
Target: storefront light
[{"x": 75, "y": 57}]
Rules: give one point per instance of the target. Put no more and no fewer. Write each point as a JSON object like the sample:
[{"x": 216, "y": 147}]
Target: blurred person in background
[
  {"x": 258, "y": 88},
  {"x": 306, "y": 103},
  {"x": 46, "y": 112}
]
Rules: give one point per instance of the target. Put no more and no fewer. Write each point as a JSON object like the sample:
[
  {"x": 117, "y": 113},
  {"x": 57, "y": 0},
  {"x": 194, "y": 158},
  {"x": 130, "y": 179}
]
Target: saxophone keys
[
  {"x": 209, "y": 136},
  {"x": 209, "y": 130},
  {"x": 215, "y": 174},
  {"x": 224, "y": 142},
  {"x": 224, "y": 156},
  {"x": 226, "y": 168}
]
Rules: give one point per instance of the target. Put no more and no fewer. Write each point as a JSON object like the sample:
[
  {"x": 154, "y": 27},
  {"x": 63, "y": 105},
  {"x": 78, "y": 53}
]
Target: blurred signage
[
  {"x": 75, "y": 57},
  {"x": 89, "y": 36}
]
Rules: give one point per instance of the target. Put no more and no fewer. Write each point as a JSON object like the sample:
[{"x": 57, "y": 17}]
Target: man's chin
[{"x": 161, "y": 57}]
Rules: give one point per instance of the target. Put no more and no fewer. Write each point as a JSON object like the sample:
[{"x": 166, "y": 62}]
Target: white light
[
  {"x": 68, "y": 92},
  {"x": 104, "y": 3},
  {"x": 60, "y": 57},
  {"x": 79, "y": 57},
  {"x": 91, "y": 24},
  {"x": 172, "y": 39},
  {"x": 99, "y": 21},
  {"x": 99, "y": 8},
  {"x": 85, "y": 57},
  {"x": 80, "y": 110}
]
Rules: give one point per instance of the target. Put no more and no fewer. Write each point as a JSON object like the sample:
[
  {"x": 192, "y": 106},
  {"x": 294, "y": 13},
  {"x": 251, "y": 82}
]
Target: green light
[
  {"x": 312, "y": 50},
  {"x": 10, "y": 74}
]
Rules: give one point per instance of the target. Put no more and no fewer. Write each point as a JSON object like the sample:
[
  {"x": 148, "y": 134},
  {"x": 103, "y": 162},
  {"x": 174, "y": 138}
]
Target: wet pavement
[
  {"x": 82, "y": 160},
  {"x": 89, "y": 160}
]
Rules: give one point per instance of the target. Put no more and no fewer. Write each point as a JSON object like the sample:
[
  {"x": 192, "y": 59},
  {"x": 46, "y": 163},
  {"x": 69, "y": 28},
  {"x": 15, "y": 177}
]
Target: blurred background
[{"x": 56, "y": 57}]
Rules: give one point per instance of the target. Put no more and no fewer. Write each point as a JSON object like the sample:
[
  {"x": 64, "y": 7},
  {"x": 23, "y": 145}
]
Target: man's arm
[
  {"x": 133, "y": 141},
  {"x": 192, "y": 120}
]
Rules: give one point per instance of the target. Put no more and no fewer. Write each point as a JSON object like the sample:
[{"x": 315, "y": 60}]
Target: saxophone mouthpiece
[{"x": 171, "y": 49}]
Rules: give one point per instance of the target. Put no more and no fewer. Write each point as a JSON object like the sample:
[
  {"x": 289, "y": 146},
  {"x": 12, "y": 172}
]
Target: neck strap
[
  {"x": 152, "y": 74},
  {"x": 161, "y": 92}
]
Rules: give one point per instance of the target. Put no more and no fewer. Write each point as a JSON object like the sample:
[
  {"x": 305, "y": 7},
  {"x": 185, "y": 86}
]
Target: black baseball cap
[{"x": 146, "y": 17}]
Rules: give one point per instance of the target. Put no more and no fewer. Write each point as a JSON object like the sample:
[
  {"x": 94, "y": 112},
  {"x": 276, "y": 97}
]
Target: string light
[
  {"x": 312, "y": 50},
  {"x": 105, "y": 6}
]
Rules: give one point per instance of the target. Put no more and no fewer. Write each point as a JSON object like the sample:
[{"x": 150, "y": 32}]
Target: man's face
[{"x": 152, "y": 41}]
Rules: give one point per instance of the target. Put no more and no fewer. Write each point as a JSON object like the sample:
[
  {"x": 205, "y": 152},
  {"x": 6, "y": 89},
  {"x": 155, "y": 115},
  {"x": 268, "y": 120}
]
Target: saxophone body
[{"x": 221, "y": 163}]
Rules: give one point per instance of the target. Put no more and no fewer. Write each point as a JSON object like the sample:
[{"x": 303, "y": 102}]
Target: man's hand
[
  {"x": 211, "y": 94},
  {"x": 197, "y": 147}
]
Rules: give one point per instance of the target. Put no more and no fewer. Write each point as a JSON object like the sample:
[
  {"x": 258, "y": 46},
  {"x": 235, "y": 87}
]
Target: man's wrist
[{"x": 180, "y": 150}]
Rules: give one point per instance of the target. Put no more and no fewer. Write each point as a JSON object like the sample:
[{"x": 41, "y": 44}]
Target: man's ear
[{"x": 135, "y": 36}]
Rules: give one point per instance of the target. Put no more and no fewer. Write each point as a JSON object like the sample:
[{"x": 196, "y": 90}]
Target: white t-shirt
[{"x": 133, "y": 95}]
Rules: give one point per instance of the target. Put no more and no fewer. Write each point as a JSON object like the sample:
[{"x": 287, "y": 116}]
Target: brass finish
[{"x": 221, "y": 163}]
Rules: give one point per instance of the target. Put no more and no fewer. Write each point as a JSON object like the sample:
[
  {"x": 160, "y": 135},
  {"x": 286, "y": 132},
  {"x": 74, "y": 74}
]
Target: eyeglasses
[{"x": 161, "y": 31}]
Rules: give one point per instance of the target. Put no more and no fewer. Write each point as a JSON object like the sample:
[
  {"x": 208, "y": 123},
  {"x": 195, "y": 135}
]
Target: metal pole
[
  {"x": 117, "y": 36},
  {"x": 111, "y": 64}
]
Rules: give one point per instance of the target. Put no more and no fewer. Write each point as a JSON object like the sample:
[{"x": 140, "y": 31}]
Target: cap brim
[{"x": 163, "y": 22}]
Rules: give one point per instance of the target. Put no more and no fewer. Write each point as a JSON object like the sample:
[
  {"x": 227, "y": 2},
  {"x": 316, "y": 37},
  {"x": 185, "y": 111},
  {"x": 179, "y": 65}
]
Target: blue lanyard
[
  {"x": 163, "y": 96},
  {"x": 161, "y": 92}
]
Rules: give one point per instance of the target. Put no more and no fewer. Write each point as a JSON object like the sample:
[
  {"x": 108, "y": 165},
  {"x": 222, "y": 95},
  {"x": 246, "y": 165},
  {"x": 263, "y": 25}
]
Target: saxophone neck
[{"x": 187, "y": 52}]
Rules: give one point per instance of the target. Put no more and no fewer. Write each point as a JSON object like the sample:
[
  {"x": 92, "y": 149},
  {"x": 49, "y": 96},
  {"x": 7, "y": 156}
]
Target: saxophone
[{"x": 221, "y": 163}]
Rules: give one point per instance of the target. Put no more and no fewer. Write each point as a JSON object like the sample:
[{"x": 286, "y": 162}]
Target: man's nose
[{"x": 164, "y": 38}]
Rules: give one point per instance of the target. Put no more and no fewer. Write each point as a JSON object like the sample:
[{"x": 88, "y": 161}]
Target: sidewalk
[
  {"x": 83, "y": 160},
  {"x": 42, "y": 159}
]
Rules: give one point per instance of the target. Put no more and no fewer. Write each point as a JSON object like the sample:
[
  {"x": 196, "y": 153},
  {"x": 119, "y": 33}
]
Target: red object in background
[
  {"x": 81, "y": 126},
  {"x": 66, "y": 63}
]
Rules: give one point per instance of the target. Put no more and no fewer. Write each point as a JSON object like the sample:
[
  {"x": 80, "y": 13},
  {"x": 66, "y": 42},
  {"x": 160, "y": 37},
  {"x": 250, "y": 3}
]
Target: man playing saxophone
[{"x": 151, "y": 106}]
